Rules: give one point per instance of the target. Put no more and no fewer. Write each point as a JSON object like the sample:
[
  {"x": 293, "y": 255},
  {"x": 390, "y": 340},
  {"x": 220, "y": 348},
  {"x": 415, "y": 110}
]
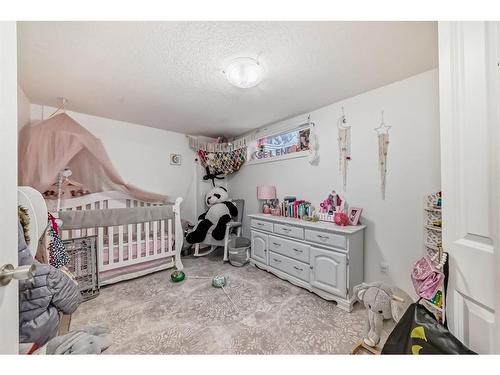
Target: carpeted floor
[{"x": 151, "y": 315}]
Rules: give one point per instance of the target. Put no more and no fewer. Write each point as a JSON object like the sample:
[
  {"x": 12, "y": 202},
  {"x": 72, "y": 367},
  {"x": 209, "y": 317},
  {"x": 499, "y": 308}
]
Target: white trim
[
  {"x": 276, "y": 128},
  {"x": 293, "y": 155}
]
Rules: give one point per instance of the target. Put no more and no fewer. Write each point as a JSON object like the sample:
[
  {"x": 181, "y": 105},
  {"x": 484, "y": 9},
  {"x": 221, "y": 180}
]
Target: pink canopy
[{"x": 59, "y": 142}]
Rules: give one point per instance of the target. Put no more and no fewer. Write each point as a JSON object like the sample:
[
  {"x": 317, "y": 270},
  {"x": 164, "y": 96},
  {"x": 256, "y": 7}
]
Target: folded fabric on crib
[{"x": 114, "y": 216}]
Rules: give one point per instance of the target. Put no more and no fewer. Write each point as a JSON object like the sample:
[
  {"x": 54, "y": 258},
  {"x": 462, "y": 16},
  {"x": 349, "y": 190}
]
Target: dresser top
[{"x": 321, "y": 225}]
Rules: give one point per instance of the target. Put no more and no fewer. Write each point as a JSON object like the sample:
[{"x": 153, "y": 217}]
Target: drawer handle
[
  {"x": 322, "y": 237},
  {"x": 298, "y": 268},
  {"x": 286, "y": 229},
  {"x": 276, "y": 244},
  {"x": 298, "y": 250},
  {"x": 260, "y": 224},
  {"x": 277, "y": 260}
]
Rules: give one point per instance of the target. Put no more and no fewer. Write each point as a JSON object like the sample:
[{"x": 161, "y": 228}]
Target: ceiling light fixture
[{"x": 244, "y": 72}]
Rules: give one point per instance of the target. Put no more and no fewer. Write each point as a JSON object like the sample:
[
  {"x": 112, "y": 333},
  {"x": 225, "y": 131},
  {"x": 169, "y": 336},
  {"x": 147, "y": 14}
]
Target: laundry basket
[
  {"x": 239, "y": 251},
  {"x": 83, "y": 264}
]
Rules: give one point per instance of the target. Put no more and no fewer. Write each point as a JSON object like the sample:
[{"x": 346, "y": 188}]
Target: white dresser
[{"x": 323, "y": 258}]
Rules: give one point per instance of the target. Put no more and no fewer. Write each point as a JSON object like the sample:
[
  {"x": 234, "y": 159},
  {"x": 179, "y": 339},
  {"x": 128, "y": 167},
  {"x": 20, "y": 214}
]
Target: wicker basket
[{"x": 83, "y": 264}]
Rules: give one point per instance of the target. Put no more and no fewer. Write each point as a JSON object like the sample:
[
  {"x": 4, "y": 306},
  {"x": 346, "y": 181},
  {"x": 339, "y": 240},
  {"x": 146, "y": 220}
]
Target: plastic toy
[{"x": 177, "y": 276}]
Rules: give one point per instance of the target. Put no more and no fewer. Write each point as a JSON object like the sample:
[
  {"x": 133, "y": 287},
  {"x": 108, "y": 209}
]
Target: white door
[
  {"x": 328, "y": 271},
  {"x": 8, "y": 185},
  {"x": 470, "y": 154},
  {"x": 259, "y": 247}
]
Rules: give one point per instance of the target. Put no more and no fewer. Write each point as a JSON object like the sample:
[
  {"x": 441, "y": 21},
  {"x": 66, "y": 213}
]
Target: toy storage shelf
[{"x": 433, "y": 247}]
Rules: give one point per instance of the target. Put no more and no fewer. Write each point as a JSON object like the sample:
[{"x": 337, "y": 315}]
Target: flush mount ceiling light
[{"x": 244, "y": 72}]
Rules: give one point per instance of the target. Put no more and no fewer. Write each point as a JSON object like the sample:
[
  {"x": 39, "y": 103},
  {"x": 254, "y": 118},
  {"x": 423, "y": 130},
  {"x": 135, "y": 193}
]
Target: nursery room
[{"x": 249, "y": 187}]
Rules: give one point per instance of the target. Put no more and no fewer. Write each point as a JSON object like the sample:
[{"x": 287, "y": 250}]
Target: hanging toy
[{"x": 212, "y": 176}]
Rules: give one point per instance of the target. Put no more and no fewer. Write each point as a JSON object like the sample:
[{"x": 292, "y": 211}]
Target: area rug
[{"x": 151, "y": 315}]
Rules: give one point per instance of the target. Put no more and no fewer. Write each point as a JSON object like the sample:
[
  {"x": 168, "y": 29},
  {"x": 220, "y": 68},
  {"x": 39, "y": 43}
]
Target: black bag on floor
[{"x": 418, "y": 332}]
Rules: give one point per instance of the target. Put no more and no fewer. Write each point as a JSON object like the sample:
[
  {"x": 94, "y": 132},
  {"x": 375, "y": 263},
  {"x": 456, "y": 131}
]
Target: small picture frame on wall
[
  {"x": 175, "y": 159},
  {"x": 354, "y": 214}
]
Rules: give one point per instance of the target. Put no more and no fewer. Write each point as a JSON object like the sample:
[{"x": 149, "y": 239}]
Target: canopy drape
[{"x": 59, "y": 142}]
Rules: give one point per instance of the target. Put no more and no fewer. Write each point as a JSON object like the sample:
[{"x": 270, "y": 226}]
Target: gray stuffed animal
[{"x": 382, "y": 301}]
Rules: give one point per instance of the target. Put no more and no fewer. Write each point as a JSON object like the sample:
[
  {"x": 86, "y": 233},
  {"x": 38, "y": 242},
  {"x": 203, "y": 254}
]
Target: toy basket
[
  {"x": 239, "y": 251},
  {"x": 83, "y": 264}
]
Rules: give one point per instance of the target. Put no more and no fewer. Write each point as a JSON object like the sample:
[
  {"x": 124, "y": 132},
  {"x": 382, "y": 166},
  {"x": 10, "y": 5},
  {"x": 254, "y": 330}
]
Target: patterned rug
[{"x": 151, "y": 315}]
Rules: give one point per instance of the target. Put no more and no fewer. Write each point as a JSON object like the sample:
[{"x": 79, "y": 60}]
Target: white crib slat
[
  {"x": 111, "y": 247},
  {"x": 100, "y": 247},
  {"x": 138, "y": 248},
  {"x": 129, "y": 242},
  {"x": 162, "y": 237},
  {"x": 155, "y": 237},
  {"x": 146, "y": 237},
  {"x": 169, "y": 238},
  {"x": 120, "y": 243}
]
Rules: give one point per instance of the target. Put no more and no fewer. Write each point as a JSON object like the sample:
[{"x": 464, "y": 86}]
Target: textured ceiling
[{"x": 168, "y": 74}]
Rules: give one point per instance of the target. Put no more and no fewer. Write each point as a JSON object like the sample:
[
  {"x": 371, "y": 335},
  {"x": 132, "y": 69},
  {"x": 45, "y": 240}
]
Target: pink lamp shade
[{"x": 266, "y": 192}]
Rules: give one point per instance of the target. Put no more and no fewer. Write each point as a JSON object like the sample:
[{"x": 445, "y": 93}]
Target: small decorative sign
[
  {"x": 290, "y": 142},
  {"x": 175, "y": 159}
]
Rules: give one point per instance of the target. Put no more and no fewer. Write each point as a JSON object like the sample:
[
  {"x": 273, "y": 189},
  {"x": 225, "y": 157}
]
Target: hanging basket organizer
[{"x": 226, "y": 162}]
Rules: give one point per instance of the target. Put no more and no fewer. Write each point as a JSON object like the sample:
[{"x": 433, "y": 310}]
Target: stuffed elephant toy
[{"x": 382, "y": 301}]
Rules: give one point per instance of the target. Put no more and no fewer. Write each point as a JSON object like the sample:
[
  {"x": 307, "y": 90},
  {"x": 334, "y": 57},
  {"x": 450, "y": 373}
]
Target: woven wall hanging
[
  {"x": 344, "y": 140},
  {"x": 383, "y": 147}
]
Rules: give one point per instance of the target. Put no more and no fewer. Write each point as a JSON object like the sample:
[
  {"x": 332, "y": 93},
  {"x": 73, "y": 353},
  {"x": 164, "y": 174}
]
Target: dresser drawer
[
  {"x": 289, "y": 248},
  {"x": 288, "y": 230},
  {"x": 289, "y": 266},
  {"x": 261, "y": 224},
  {"x": 327, "y": 239}
]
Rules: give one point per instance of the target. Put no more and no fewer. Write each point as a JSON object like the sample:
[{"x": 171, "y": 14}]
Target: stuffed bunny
[{"x": 382, "y": 302}]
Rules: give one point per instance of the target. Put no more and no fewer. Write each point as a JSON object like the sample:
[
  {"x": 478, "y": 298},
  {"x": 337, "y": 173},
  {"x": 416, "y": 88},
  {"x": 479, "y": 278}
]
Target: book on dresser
[{"x": 321, "y": 257}]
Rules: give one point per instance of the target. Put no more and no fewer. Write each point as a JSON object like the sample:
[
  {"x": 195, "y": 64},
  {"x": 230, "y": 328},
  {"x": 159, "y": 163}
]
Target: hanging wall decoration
[
  {"x": 383, "y": 146},
  {"x": 313, "y": 143},
  {"x": 344, "y": 140}
]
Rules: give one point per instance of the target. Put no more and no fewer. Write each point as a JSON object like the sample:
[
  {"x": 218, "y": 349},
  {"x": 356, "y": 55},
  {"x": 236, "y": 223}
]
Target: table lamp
[{"x": 266, "y": 192}]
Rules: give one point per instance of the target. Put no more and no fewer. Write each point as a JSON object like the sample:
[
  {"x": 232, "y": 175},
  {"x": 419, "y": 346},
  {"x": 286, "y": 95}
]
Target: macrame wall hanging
[
  {"x": 313, "y": 143},
  {"x": 220, "y": 158},
  {"x": 344, "y": 140},
  {"x": 383, "y": 146}
]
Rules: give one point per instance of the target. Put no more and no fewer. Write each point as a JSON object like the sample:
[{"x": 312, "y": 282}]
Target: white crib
[{"x": 128, "y": 250}]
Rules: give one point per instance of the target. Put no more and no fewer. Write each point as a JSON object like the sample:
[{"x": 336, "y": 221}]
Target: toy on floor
[
  {"x": 219, "y": 281},
  {"x": 382, "y": 301},
  {"x": 219, "y": 213},
  {"x": 177, "y": 276}
]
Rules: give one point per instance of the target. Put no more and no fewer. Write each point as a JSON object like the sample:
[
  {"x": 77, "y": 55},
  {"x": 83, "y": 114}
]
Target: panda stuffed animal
[{"x": 220, "y": 211}]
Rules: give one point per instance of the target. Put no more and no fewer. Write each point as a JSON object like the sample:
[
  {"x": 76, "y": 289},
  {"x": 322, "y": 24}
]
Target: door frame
[{"x": 9, "y": 297}]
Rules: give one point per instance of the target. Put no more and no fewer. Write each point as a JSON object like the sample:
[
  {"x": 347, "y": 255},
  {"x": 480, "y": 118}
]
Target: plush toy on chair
[{"x": 219, "y": 213}]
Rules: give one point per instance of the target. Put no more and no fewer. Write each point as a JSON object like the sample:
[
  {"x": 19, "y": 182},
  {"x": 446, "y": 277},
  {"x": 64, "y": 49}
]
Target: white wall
[
  {"x": 394, "y": 234},
  {"x": 23, "y": 108},
  {"x": 141, "y": 154}
]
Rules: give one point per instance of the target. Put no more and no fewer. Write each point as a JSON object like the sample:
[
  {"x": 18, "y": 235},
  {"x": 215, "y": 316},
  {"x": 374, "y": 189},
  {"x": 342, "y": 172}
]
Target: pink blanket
[{"x": 59, "y": 142}]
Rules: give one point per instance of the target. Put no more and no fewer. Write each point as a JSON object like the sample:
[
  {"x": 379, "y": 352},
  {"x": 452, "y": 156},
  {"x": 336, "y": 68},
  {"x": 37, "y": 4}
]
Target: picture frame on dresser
[
  {"x": 318, "y": 256},
  {"x": 354, "y": 214}
]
